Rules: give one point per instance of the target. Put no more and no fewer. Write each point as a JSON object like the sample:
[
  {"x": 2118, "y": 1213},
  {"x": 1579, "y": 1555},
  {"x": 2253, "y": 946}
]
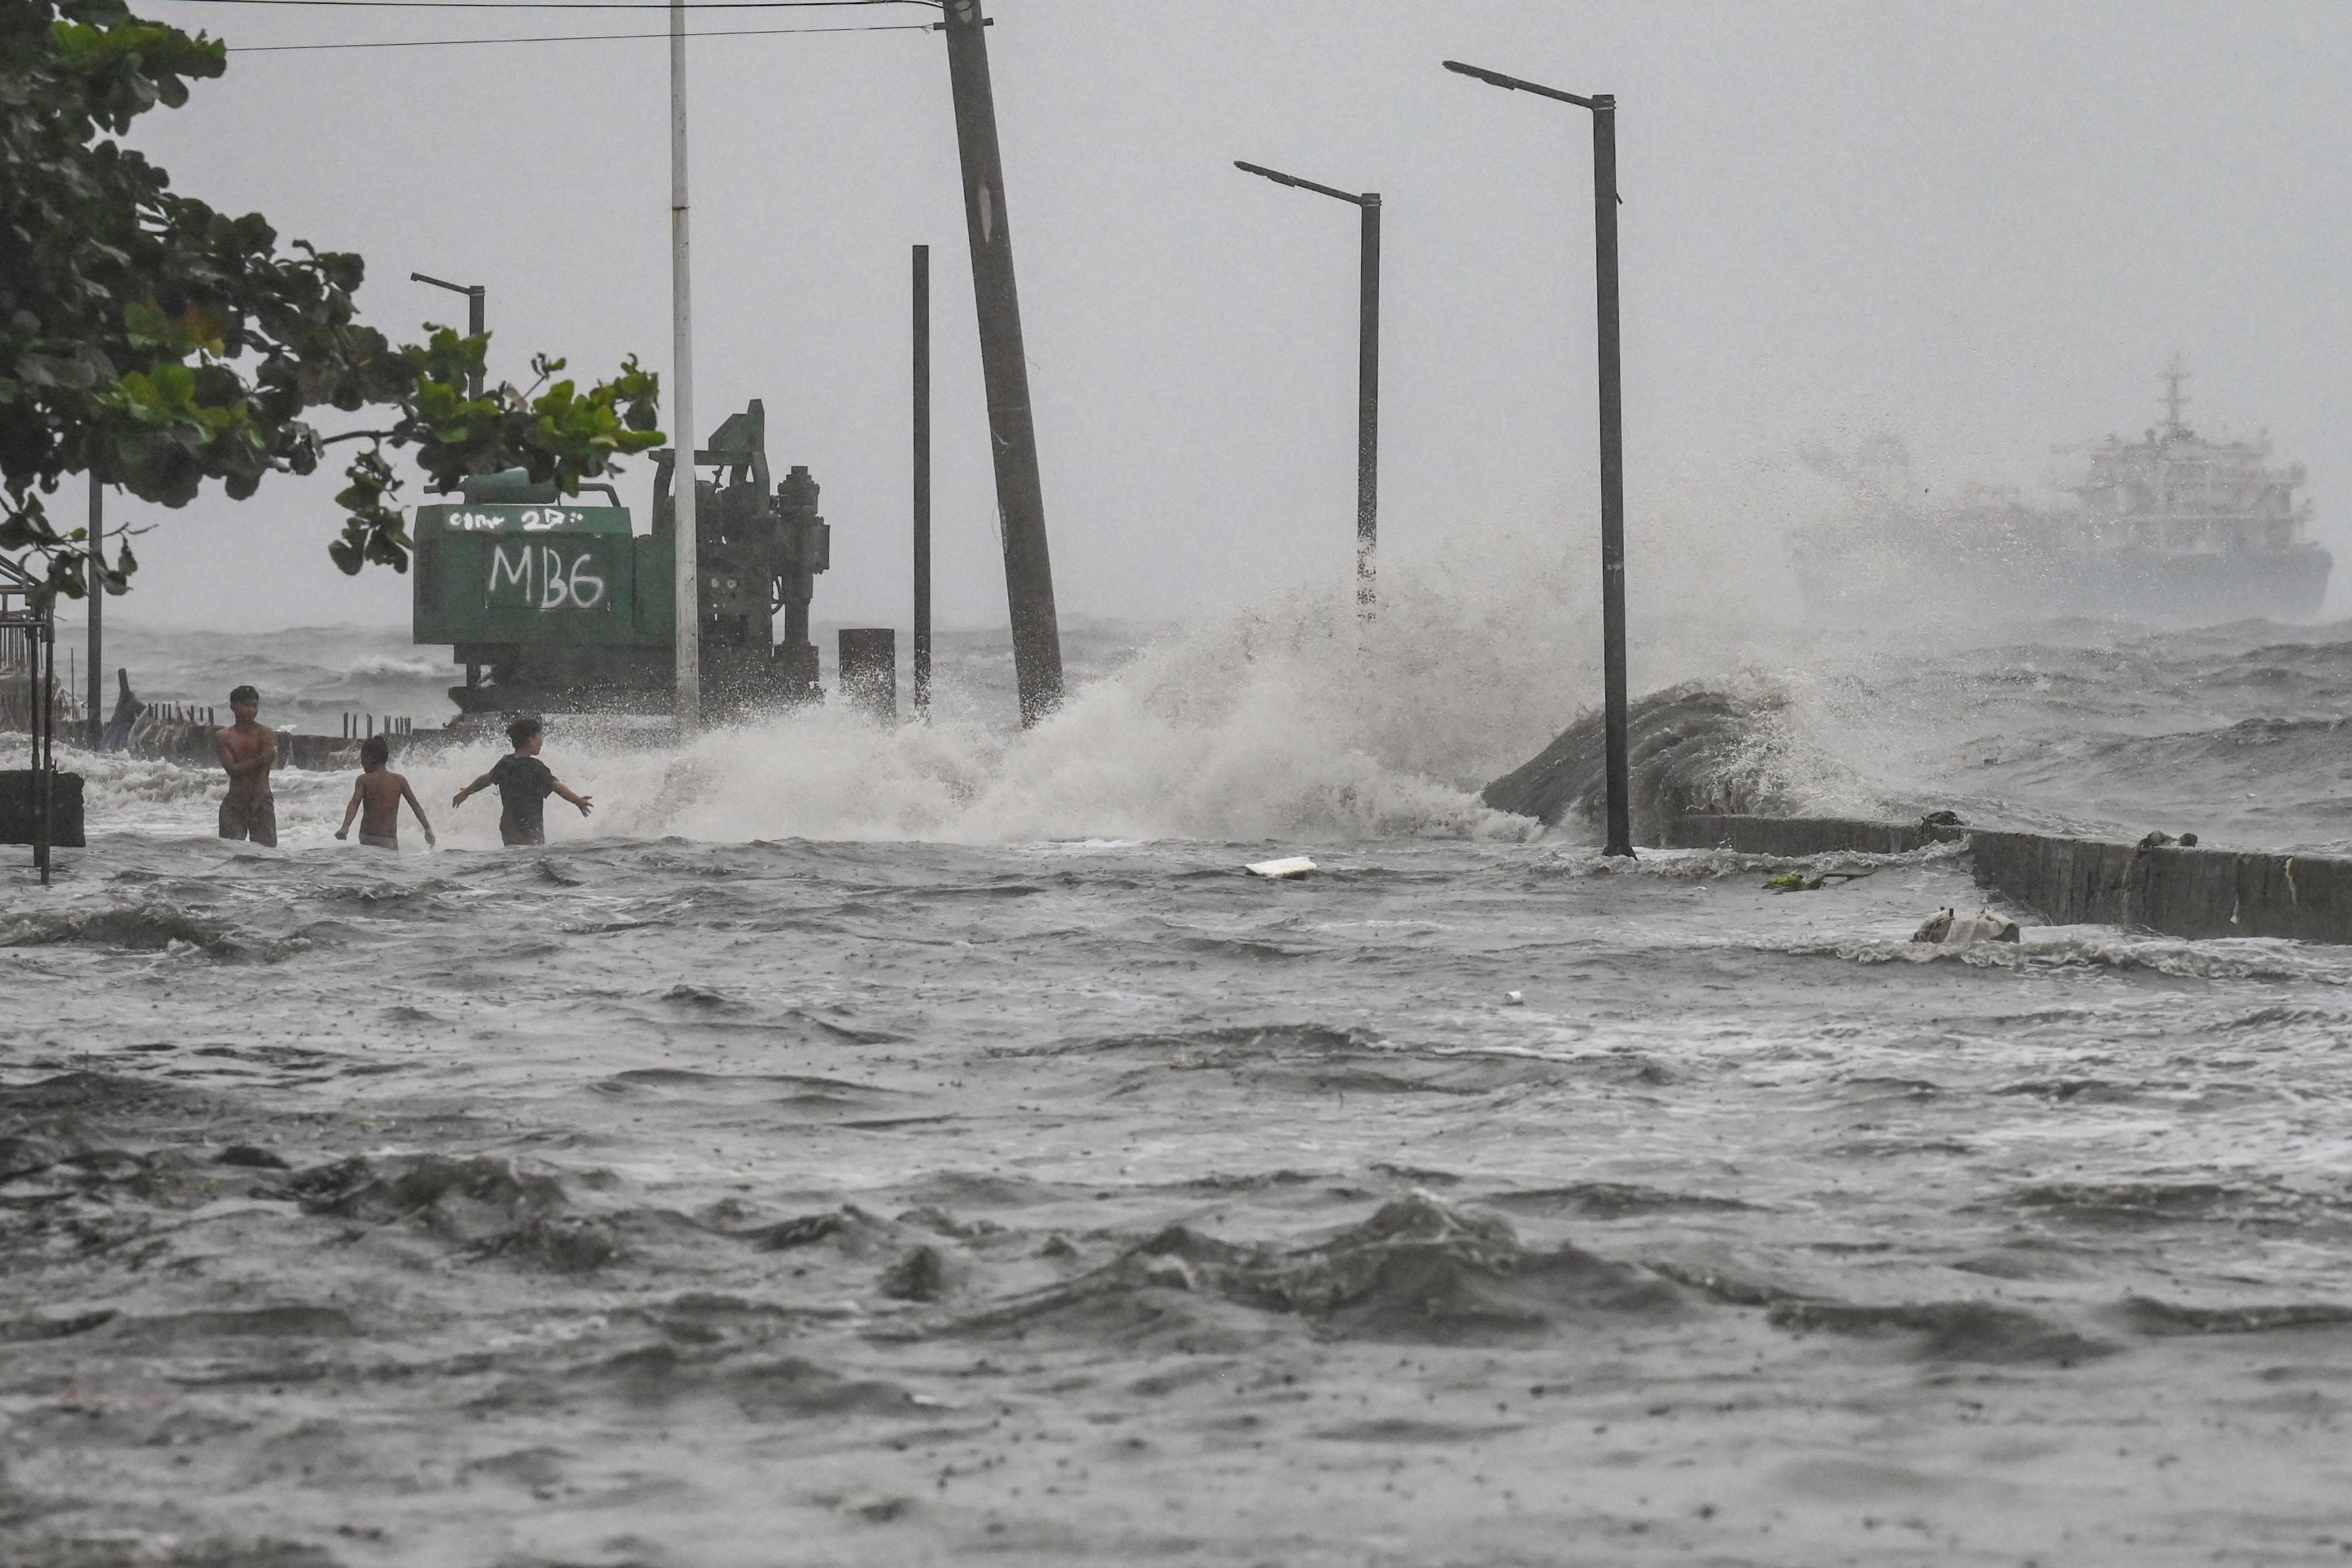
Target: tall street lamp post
[
  {"x": 1368, "y": 372},
  {"x": 475, "y": 299},
  {"x": 1612, "y": 434},
  {"x": 686, "y": 583}
]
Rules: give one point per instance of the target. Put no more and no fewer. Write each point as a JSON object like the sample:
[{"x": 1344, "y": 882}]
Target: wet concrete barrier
[
  {"x": 2194, "y": 893},
  {"x": 1691, "y": 756},
  {"x": 1803, "y": 835}
]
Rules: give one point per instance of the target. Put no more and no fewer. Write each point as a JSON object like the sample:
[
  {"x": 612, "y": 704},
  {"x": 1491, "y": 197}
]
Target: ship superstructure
[
  {"x": 2170, "y": 529},
  {"x": 2176, "y": 493}
]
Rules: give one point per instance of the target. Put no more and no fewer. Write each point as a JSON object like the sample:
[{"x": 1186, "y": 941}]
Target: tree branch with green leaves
[{"x": 158, "y": 345}]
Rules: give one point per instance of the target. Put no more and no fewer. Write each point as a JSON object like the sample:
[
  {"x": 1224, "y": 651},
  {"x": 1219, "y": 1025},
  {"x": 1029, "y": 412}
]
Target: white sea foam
[
  {"x": 388, "y": 667},
  {"x": 1291, "y": 720},
  {"x": 1294, "y": 720}
]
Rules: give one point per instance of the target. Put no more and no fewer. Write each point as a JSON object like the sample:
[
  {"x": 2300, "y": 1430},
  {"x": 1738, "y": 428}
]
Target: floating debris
[{"x": 1947, "y": 928}]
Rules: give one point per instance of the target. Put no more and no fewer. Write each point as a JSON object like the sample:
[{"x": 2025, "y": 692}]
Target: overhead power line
[
  {"x": 575, "y": 38},
  {"x": 577, "y": 4}
]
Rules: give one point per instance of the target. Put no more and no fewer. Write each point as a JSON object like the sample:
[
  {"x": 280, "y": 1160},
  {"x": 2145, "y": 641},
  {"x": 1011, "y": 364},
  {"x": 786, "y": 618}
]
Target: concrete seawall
[
  {"x": 1803, "y": 835},
  {"x": 2180, "y": 892}
]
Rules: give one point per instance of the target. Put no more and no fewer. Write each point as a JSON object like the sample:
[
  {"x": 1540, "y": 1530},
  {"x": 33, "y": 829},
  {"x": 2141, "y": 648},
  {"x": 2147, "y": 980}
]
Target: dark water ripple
[{"x": 532, "y": 1159}]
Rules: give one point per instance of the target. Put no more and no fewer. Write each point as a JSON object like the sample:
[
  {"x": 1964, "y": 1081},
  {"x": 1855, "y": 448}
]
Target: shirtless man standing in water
[{"x": 247, "y": 752}]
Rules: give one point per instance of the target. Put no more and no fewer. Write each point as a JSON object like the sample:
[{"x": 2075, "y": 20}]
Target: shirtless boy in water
[
  {"x": 247, "y": 751},
  {"x": 380, "y": 792}
]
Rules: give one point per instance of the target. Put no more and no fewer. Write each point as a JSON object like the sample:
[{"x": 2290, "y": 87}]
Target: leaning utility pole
[
  {"x": 687, "y": 575},
  {"x": 1004, "y": 366}
]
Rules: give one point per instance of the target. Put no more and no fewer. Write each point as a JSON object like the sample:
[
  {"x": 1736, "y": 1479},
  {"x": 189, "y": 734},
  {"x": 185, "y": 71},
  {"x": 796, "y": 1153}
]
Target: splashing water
[{"x": 1296, "y": 721}]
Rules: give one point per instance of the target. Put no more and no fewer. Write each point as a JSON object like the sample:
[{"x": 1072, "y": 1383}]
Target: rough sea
[{"x": 874, "y": 1145}]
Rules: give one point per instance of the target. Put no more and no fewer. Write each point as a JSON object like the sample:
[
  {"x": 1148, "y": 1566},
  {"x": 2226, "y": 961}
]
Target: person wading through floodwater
[
  {"x": 247, "y": 752},
  {"x": 523, "y": 784},
  {"x": 379, "y": 793}
]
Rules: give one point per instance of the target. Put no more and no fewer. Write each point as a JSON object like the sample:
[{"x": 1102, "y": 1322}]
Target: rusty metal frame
[{"x": 28, "y": 609}]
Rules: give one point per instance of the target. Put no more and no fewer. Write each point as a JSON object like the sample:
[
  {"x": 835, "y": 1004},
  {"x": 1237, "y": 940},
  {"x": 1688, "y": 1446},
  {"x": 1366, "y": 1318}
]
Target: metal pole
[
  {"x": 1367, "y": 407},
  {"x": 689, "y": 577},
  {"x": 1004, "y": 366},
  {"x": 44, "y": 737},
  {"x": 1613, "y": 434},
  {"x": 477, "y": 297},
  {"x": 922, "y": 305},
  {"x": 1613, "y": 472},
  {"x": 96, "y": 608},
  {"x": 1368, "y": 372}
]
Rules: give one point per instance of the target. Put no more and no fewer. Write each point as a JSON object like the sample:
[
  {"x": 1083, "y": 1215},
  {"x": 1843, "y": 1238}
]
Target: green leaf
[{"x": 178, "y": 347}]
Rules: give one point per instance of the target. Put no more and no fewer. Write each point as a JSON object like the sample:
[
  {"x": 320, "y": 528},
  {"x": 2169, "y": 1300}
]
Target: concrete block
[{"x": 16, "y": 808}]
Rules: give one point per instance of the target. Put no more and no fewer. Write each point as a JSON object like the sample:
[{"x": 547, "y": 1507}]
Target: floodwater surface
[
  {"x": 884, "y": 1147},
  {"x": 674, "y": 1202}
]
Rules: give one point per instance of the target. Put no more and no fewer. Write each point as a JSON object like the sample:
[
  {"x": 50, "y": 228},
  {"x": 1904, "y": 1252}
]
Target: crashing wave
[
  {"x": 140, "y": 928},
  {"x": 1418, "y": 1270}
]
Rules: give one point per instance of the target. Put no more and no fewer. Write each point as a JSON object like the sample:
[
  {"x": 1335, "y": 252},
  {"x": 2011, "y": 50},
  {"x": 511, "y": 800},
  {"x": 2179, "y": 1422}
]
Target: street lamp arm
[
  {"x": 1519, "y": 84},
  {"x": 453, "y": 287},
  {"x": 1280, "y": 178}
]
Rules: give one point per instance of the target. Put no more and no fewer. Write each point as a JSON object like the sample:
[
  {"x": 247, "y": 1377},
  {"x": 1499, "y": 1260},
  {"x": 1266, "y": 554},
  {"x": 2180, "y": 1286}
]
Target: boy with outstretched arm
[
  {"x": 379, "y": 793},
  {"x": 523, "y": 784}
]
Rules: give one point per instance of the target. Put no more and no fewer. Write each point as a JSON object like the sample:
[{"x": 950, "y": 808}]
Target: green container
[{"x": 539, "y": 573}]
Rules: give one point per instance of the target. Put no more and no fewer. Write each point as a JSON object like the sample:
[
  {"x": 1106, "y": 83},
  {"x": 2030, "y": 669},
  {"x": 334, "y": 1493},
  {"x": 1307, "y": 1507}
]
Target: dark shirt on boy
[{"x": 524, "y": 785}]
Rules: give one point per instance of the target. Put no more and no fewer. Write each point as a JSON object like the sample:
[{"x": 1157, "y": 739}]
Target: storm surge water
[
  {"x": 1295, "y": 717},
  {"x": 915, "y": 1143},
  {"x": 1295, "y": 720}
]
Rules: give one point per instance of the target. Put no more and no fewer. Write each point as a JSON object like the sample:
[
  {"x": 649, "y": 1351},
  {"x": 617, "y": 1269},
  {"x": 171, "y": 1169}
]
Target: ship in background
[{"x": 2169, "y": 530}]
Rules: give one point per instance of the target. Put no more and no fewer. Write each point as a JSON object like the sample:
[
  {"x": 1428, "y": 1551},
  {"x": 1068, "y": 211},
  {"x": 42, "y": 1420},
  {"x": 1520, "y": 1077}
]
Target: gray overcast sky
[{"x": 1979, "y": 226}]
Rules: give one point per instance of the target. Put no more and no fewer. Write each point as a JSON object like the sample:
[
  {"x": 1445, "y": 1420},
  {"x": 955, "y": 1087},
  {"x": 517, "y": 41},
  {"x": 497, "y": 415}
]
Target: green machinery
[{"x": 555, "y": 606}]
